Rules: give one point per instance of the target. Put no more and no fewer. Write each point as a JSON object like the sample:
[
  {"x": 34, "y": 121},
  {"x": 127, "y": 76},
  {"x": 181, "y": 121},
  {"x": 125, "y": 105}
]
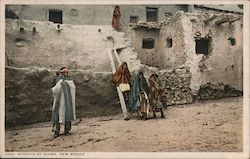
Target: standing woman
[
  {"x": 63, "y": 111},
  {"x": 155, "y": 95},
  {"x": 116, "y": 18},
  {"x": 122, "y": 78}
]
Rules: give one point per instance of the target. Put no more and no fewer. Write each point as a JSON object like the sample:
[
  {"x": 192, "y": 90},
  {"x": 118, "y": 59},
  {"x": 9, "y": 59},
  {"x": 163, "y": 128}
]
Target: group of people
[{"x": 138, "y": 95}]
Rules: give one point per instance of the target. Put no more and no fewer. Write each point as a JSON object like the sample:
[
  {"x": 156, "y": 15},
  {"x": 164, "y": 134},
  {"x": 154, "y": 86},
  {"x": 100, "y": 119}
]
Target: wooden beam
[
  {"x": 117, "y": 57},
  {"x": 221, "y": 21},
  {"x": 234, "y": 20},
  {"x": 210, "y": 18}
]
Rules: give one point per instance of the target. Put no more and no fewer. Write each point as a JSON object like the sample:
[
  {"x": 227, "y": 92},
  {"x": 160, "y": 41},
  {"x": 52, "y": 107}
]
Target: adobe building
[
  {"x": 196, "y": 51},
  {"x": 95, "y": 14}
]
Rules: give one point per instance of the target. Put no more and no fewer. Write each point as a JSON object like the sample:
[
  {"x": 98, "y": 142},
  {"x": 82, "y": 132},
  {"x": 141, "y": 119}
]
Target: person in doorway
[
  {"x": 122, "y": 78},
  {"x": 116, "y": 18},
  {"x": 139, "y": 85},
  {"x": 63, "y": 111},
  {"x": 155, "y": 95}
]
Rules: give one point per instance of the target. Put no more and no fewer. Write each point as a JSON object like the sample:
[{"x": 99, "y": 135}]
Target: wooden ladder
[{"x": 116, "y": 57}]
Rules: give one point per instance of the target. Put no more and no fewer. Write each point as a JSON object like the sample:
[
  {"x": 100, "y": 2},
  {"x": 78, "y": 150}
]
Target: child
[{"x": 144, "y": 105}]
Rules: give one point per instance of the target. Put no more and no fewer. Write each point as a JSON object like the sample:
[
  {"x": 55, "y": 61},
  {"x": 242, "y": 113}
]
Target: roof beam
[{"x": 221, "y": 21}]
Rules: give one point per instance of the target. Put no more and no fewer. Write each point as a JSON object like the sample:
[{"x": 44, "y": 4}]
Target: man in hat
[{"x": 63, "y": 110}]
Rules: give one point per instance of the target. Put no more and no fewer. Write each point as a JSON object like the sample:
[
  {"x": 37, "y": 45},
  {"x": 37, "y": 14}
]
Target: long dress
[{"x": 116, "y": 18}]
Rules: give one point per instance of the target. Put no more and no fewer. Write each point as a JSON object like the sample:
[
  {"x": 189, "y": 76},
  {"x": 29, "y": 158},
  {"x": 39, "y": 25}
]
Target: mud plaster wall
[
  {"x": 102, "y": 13},
  {"x": 224, "y": 65},
  {"x": 29, "y": 96},
  {"x": 174, "y": 56},
  {"x": 73, "y": 46},
  {"x": 149, "y": 57}
]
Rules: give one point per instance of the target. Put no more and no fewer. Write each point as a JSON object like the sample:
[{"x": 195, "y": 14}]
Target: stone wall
[
  {"x": 176, "y": 83},
  {"x": 28, "y": 95},
  {"x": 216, "y": 91}
]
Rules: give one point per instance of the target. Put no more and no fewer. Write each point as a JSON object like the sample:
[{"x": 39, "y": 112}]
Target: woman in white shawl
[{"x": 63, "y": 110}]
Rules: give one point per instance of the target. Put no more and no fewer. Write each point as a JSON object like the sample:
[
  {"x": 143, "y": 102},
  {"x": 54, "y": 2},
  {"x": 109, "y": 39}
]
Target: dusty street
[{"x": 202, "y": 126}]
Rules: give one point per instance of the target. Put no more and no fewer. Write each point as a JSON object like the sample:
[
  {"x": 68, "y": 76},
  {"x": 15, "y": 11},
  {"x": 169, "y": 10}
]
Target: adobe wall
[
  {"x": 148, "y": 57},
  {"x": 215, "y": 75},
  {"x": 102, "y": 13},
  {"x": 75, "y": 46},
  {"x": 174, "y": 56},
  {"x": 28, "y": 94},
  {"x": 223, "y": 66}
]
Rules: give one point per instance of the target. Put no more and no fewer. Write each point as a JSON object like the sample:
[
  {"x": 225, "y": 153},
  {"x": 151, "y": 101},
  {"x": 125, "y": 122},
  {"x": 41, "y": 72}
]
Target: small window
[
  {"x": 133, "y": 19},
  {"x": 202, "y": 46},
  {"x": 232, "y": 41},
  {"x": 55, "y": 16},
  {"x": 152, "y": 14},
  {"x": 169, "y": 42},
  {"x": 148, "y": 43}
]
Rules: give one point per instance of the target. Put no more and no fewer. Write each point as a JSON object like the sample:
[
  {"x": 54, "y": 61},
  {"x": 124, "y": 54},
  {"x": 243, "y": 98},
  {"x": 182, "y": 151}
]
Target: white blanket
[{"x": 59, "y": 97}]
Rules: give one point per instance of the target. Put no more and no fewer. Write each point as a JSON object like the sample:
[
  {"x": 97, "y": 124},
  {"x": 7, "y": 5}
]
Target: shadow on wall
[{"x": 29, "y": 97}]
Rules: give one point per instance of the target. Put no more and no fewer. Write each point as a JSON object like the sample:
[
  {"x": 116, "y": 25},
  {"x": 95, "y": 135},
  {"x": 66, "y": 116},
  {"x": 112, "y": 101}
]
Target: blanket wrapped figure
[
  {"x": 156, "y": 95},
  {"x": 63, "y": 111},
  {"x": 139, "y": 85}
]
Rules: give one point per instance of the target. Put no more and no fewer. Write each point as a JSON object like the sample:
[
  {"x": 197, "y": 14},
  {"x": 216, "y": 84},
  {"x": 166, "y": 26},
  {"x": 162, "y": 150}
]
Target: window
[
  {"x": 152, "y": 14},
  {"x": 232, "y": 41},
  {"x": 133, "y": 19},
  {"x": 55, "y": 16},
  {"x": 169, "y": 42},
  {"x": 202, "y": 46},
  {"x": 148, "y": 43}
]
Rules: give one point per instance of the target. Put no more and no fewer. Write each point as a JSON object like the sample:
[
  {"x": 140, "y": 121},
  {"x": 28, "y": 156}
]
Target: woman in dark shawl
[{"x": 139, "y": 85}]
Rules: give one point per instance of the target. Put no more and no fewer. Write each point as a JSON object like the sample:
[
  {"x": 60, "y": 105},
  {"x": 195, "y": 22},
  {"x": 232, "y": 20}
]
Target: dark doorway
[
  {"x": 152, "y": 14},
  {"x": 148, "y": 43},
  {"x": 55, "y": 16},
  {"x": 202, "y": 46}
]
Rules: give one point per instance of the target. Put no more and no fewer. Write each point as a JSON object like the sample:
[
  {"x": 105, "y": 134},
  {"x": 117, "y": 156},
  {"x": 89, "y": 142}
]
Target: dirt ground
[{"x": 203, "y": 126}]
